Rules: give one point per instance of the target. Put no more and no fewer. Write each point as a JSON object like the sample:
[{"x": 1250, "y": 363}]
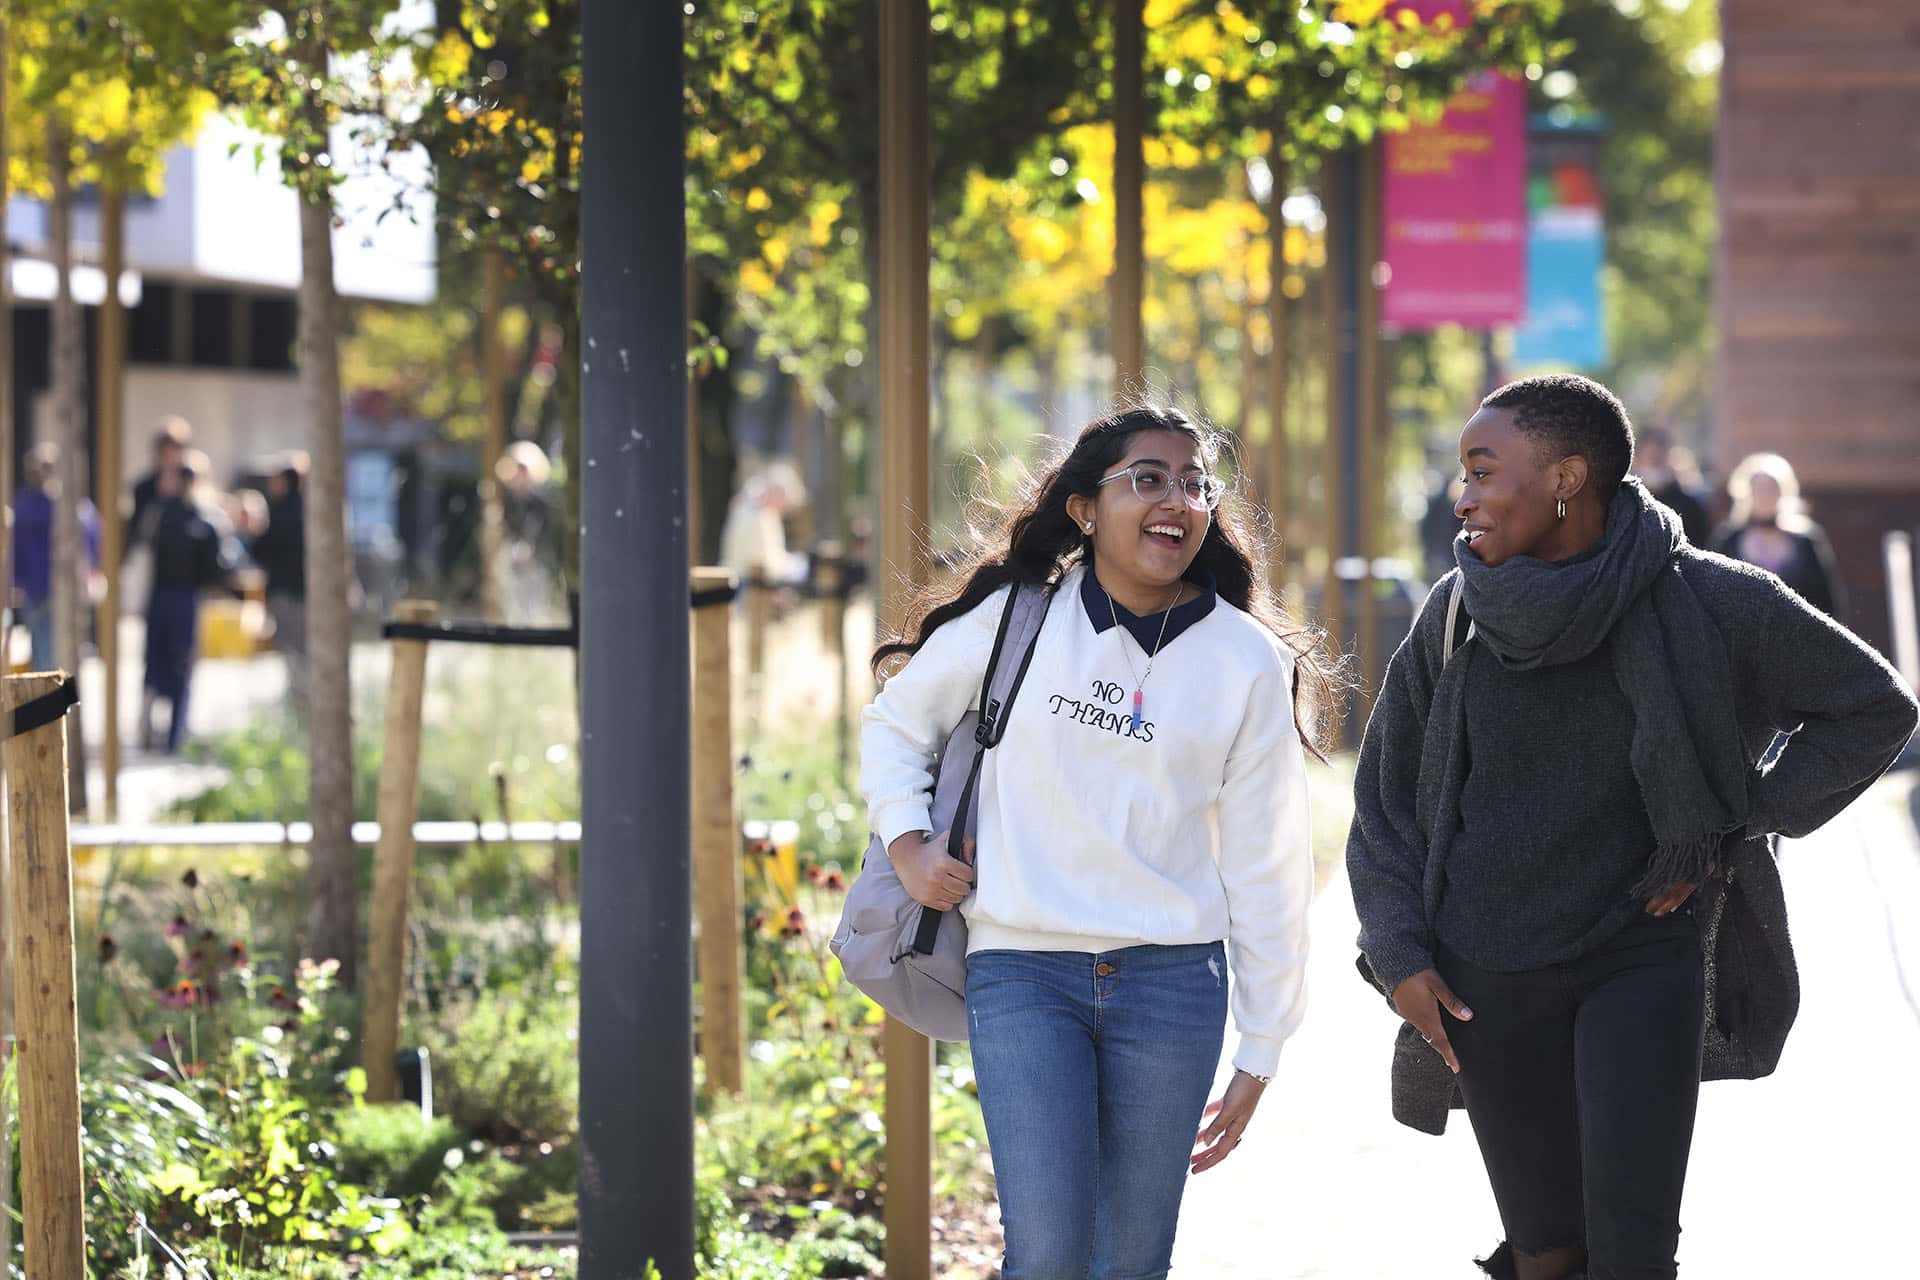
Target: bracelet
[{"x": 1253, "y": 1075}]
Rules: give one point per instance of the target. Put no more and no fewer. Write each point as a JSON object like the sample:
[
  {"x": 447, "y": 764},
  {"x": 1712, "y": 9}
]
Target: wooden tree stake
[
  {"x": 42, "y": 943},
  {"x": 716, "y": 838},
  {"x": 393, "y": 858},
  {"x": 759, "y": 614}
]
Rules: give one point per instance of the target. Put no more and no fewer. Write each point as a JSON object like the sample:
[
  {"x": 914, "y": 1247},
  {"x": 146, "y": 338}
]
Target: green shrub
[
  {"x": 505, "y": 1063},
  {"x": 394, "y": 1150},
  {"x": 539, "y": 1192}
]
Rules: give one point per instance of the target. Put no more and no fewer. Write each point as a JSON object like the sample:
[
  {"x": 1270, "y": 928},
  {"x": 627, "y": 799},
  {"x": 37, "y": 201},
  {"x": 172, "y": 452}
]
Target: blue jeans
[
  {"x": 37, "y": 617},
  {"x": 173, "y": 637},
  {"x": 1093, "y": 1071}
]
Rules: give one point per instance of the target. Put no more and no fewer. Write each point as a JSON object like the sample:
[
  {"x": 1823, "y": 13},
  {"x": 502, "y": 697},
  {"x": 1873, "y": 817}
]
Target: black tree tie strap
[
  {"x": 46, "y": 708},
  {"x": 705, "y": 597}
]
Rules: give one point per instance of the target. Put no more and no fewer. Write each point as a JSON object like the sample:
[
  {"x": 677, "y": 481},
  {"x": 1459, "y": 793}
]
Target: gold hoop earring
[{"x": 1560, "y": 507}]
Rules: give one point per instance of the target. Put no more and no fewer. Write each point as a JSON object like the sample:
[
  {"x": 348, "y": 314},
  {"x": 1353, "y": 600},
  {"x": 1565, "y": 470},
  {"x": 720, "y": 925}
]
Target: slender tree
[{"x": 307, "y": 75}]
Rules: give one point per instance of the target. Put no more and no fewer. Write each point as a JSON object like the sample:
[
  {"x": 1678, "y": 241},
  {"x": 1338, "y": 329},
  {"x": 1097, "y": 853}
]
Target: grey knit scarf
[{"x": 1669, "y": 658}]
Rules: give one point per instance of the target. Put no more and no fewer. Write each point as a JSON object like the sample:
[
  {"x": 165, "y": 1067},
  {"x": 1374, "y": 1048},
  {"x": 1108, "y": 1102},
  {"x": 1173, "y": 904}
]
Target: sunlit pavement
[{"x": 1810, "y": 1173}]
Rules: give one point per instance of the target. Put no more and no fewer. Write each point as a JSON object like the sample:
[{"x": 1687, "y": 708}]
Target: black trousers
[{"x": 1581, "y": 1081}]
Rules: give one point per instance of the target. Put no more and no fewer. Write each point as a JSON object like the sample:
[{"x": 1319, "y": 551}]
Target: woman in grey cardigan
[{"x": 1540, "y": 797}]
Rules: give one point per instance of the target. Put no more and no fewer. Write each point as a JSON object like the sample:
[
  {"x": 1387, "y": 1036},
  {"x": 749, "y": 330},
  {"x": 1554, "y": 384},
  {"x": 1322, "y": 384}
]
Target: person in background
[
  {"x": 1769, "y": 527},
  {"x": 171, "y": 440},
  {"x": 33, "y": 520},
  {"x": 526, "y": 582},
  {"x": 281, "y": 553},
  {"x": 753, "y": 541},
  {"x": 192, "y": 551},
  {"x": 1662, "y": 468}
]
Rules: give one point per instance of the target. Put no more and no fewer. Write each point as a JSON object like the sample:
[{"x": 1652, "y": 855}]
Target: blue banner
[{"x": 1565, "y": 327}]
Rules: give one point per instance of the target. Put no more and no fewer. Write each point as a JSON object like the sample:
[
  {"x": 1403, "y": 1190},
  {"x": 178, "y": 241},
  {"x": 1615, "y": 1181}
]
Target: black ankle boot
[{"x": 1500, "y": 1265}]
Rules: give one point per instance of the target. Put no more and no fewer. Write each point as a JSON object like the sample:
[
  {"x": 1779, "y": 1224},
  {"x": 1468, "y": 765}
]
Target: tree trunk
[
  {"x": 111, "y": 376},
  {"x": 493, "y": 380},
  {"x": 6, "y": 594},
  {"x": 332, "y": 865},
  {"x": 69, "y": 373}
]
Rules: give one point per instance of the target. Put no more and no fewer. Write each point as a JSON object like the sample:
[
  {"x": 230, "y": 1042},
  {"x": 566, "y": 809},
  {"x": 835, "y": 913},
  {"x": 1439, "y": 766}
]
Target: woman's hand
[
  {"x": 1420, "y": 999},
  {"x": 1670, "y": 901},
  {"x": 932, "y": 877},
  {"x": 1230, "y": 1114}
]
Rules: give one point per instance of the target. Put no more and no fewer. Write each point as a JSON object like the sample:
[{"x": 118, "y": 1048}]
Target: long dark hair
[{"x": 1034, "y": 542}]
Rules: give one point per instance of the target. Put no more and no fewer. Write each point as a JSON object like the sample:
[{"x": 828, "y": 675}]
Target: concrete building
[{"x": 213, "y": 263}]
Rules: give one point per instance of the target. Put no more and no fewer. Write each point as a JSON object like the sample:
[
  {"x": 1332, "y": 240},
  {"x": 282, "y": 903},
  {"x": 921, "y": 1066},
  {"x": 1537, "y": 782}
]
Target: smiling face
[
  {"x": 1508, "y": 506},
  {"x": 1145, "y": 548}
]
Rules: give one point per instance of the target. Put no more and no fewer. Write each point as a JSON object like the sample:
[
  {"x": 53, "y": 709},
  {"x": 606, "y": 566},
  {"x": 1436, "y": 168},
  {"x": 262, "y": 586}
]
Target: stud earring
[
  {"x": 1560, "y": 507},
  {"x": 1089, "y": 526}
]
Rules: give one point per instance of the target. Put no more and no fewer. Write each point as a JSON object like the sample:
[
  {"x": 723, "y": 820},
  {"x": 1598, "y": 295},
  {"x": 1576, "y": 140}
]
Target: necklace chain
[{"x": 1140, "y": 682}]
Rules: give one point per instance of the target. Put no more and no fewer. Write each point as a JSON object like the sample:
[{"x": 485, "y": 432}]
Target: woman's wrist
[
  {"x": 1251, "y": 1075},
  {"x": 907, "y": 842}
]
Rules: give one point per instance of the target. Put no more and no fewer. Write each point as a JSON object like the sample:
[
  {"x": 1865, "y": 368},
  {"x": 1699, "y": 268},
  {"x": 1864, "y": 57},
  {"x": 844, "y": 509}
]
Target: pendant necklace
[{"x": 1140, "y": 684}]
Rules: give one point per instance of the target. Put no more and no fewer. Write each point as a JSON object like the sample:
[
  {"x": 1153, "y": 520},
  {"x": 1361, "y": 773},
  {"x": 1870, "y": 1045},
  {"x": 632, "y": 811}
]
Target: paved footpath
[{"x": 1814, "y": 1172}]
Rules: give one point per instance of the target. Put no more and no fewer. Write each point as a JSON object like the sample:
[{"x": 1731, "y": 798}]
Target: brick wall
[{"x": 1818, "y": 290}]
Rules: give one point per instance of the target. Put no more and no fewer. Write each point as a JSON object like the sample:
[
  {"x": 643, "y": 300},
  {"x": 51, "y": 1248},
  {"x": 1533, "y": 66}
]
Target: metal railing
[{"x": 215, "y": 835}]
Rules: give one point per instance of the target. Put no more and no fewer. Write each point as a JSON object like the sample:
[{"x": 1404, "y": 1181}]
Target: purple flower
[{"x": 183, "y": 995}]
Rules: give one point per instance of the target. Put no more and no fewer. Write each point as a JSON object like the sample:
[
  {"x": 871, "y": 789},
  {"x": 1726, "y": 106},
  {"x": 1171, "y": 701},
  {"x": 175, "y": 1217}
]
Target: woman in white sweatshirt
[{"x": 1142, "y": 831}]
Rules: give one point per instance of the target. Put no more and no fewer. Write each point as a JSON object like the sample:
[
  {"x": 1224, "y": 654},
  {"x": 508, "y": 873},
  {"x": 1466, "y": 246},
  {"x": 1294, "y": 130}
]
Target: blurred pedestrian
[
  {"x": 754, "y": 538},
  {"x": 1666, "y": 472},
  {"x": 192, "y": 552},
  {"x": 33, "y": 526},
  {"x": 281, "y": 553},
  {"x": 1768, "y": 526},
  {"x": 1560, "y": 811},
  {"x": 529, "y": 535},
  {"x": 171, "y": 440}
]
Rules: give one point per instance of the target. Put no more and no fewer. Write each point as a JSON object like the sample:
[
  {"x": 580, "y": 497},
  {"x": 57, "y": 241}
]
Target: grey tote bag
[{"x": 909, "y": 959}]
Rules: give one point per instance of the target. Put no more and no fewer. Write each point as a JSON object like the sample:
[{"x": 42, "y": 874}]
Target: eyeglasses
[{"x": 1150, "y": 484}]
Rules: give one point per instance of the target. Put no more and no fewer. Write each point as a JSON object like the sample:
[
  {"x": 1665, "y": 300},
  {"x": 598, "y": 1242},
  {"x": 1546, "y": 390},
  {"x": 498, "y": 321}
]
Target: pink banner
[{"x": 1455, "y": 208}]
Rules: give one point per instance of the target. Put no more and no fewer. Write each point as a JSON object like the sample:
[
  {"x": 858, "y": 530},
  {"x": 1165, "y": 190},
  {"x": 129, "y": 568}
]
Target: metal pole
[
  {"x": 1279, "y": 486},
  {"x": 636, "y": 963},
  {"x": 905, "y": 478},
  {"x": 1128, "y": 289},
  {"x": 1376, "y": 373},
  {"x": 1341, "y": 187}
]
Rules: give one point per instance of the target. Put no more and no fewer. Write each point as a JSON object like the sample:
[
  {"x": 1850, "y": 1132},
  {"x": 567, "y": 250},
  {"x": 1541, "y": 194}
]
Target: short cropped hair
[{"x": 1566, "y": 414}]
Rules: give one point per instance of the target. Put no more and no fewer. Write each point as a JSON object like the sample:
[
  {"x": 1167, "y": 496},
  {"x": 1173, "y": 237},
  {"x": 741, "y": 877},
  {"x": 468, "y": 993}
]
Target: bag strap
[
  {"x": 1025, "y": 612},
  {"x": 1455, "y": 638},
  {"x": 1020, "y": 625}
]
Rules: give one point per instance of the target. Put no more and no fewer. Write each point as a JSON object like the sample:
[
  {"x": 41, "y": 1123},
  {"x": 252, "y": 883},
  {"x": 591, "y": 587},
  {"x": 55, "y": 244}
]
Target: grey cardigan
[{"x": 1794, "y": 671}]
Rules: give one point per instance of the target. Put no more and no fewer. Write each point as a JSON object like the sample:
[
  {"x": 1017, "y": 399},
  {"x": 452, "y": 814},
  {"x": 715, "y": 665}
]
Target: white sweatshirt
[{"x": 1092, "y": 837}]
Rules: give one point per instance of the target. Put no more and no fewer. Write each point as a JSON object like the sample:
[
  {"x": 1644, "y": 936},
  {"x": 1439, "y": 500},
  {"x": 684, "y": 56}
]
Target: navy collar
[{"x": 1093, "y": 598}]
